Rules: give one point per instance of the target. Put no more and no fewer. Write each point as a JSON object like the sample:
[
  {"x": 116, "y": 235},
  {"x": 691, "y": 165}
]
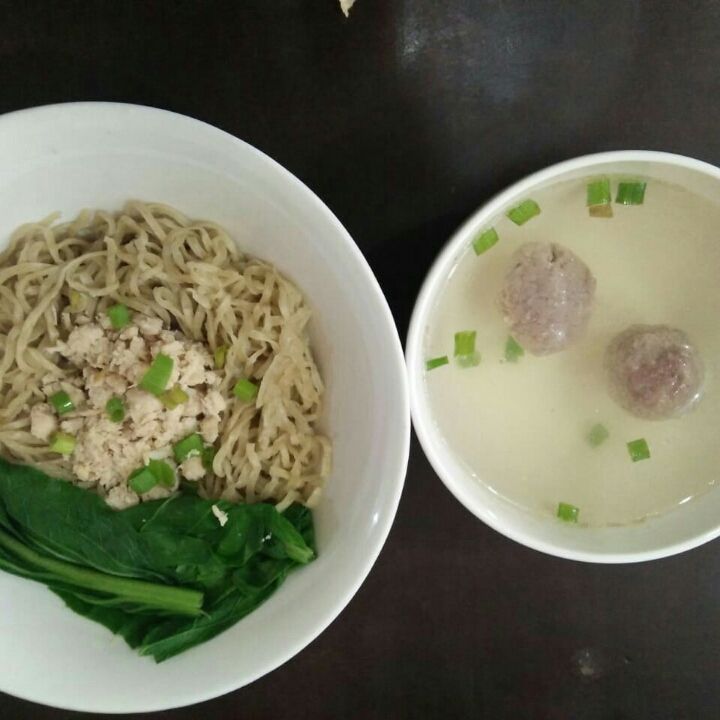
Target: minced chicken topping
[{"x": 111, "y": 363}]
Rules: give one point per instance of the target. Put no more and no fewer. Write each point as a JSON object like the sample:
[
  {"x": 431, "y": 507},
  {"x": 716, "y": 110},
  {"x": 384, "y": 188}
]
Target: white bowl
[
  {"x": 68, "y": 157},
  {"x": 687, "y": 526}
]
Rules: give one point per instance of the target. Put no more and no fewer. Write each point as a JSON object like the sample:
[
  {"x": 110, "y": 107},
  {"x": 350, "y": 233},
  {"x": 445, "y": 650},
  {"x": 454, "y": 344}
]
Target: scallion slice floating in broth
[
  {"x": 465, "y": 342},
  {"x": 436, "y": 362},
  {"x": 638, "y": 450},
  {"x": 465, "y": 354},
  {"x": 599, "y": 198},
  {"x": 567, "y": 512},
  {"x": 525, "y": 211},
  {"x": 513, "y": 351},
  {"x": 631, "y": 193},
  {"x": 485, "y": 240},
  {"x": 598, "y": 435},
  {"x": 598, "y": 192},
  {"x": 601, "y": 211}
]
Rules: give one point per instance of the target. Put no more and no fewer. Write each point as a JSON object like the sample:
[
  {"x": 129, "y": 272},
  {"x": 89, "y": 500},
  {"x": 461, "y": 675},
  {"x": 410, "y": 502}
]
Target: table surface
[{"x": 404, "y": 119}]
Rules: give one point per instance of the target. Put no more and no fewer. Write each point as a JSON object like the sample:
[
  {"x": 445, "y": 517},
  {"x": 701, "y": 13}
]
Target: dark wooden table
[{"x": 404, "y": 119}]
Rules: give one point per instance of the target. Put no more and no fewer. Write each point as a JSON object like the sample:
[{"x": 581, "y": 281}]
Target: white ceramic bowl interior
[
  {"x": 681, "y": 529},
  {"x": 68, "y": 157}
]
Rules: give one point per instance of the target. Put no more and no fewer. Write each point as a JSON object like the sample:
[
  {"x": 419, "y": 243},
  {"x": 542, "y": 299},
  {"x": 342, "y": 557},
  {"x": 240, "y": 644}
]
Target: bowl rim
[
  {"x": 395, "y": 473},
  {"x": 422, "y": 421}
]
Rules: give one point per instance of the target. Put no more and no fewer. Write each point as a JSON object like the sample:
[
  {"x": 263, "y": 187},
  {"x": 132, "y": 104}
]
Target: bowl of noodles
[{"x": 204, "y": 422}]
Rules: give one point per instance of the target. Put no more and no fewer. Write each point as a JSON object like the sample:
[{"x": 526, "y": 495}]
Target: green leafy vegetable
[
  {"x": 483, "y": 242},
  {"x": 208, "y": 457},
  {"x": 525, "y": 211},
  {"x": 164, "y": 575}
]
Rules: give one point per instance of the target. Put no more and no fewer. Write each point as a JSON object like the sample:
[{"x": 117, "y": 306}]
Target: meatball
[
  {"x": 655, "y": 371},
  {"x": 547, "y": 297}
]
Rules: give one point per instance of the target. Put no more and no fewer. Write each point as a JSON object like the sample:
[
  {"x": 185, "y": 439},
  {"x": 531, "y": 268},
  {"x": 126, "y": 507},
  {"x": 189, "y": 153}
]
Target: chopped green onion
[
  {"x": 600, "y": 211},
  {"x": 162, "y": 472},
  {"x": 62, "y": 443},
  {"x": 188, "y": 447},
  {"x": 465, "y": 342},
  {"x": 470, "y": 360},
  {"x": 525, "y": 211},
  {"x": 208, "y": 457},
  {"x": 631, "y": 193},
  {"x": 598, "y": 193},
  {"x": 142, "y": 480},
  {"x": 567, "y": 512},
  {"x": 174, "y": 397},
  {"x": 598, "y": 435},
  {"x": 465, "y": 354},
  {"x": 62, "y": 403},
  {"x": 156, "y": 378},
  {"x": 638, "y": 450},
  {"x": 483, "y": 242},
  {"x": 115, "y": 408},
  {"x": 513, "y": 351},
  {"x": 245, "y": 390},
  {"x": 119, "y": 316},
  {"x": 436, "y": 362},
  {"x": 220, "y": 355},
  {"x": 77, "y": 300}
]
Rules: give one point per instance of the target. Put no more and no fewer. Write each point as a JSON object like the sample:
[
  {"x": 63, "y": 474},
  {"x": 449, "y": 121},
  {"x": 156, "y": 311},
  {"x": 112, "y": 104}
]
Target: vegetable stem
[{"x": 161, "y": 597}]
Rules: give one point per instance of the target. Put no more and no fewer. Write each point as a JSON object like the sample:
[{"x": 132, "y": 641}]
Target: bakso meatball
[
  {"x": 547, "y": 297},
  {"x": 655, "y": 371}
]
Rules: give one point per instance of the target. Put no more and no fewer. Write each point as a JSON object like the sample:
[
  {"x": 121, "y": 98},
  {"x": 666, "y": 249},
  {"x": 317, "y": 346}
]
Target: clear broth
[{"x": 521, "y": 428}]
